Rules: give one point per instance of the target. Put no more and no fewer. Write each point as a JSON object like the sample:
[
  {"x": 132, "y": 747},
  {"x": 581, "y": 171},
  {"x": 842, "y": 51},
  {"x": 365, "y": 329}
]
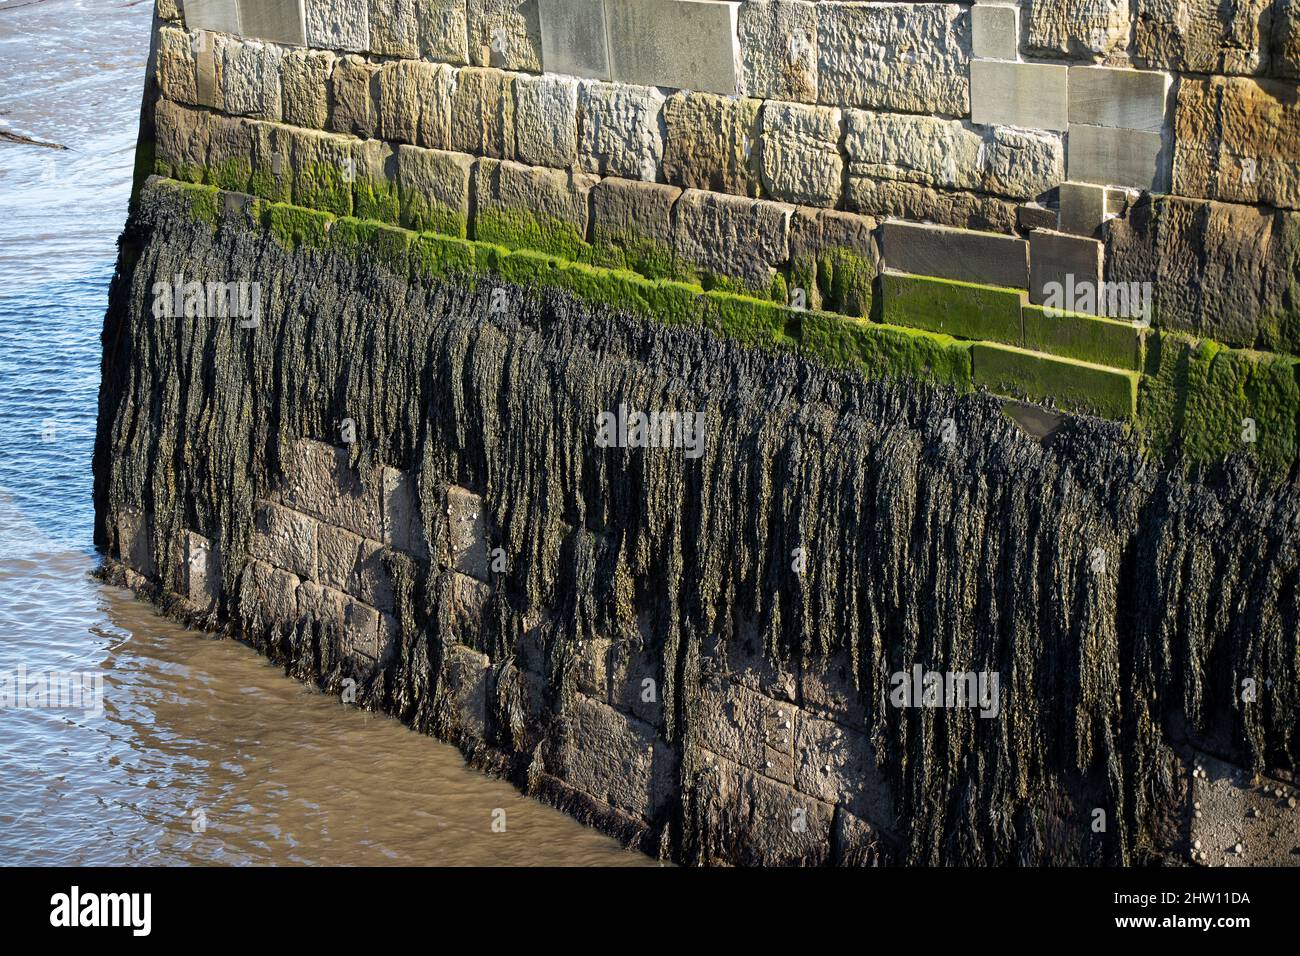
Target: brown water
[{"x": 203, "y": 752}]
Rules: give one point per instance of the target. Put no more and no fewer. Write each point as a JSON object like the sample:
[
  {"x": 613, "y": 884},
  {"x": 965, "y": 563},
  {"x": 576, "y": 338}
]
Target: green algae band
[
  {"x": 1074, "y": 386},
  {"x": 1084, "y": 337},
  {"x": 959, "y": 309}
]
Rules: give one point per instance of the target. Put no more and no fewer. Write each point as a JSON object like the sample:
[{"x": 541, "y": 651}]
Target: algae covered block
[
  {"x": 632, "y": 226},
  {"x": 883, "y": 351},
  {"x": 532, "y": 207},
  {"x": 433, "y": 187},
  {"x": 1084, "y": 337},
  {"x": 1066, "y": 383},
  {"x": 959, "y": 309}
]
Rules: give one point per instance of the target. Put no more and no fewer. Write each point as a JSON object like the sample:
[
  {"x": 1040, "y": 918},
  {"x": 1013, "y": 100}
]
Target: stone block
[
  {"x": 415, "y": 102},
  {"x": 468, "y": 597},
  {"x": 827, "y": 689},
  {"x": 621, "y": 132},
  {"x": 546, "y": 121},
  {"x": 1083, "y": 209},
  {"x": 230, "y": 152},
  {"x": 1066, "y": 384},
  {"x": 168, "y": 9},
  {"x": 683, "y": 44},
  {"x": 482, "y": 113},
  {"x": 783, "y": 827},
  {"x": 360, "y": 632},
  {"x": 748, "y": 728},
  {"x": 219, "y": 16},
  {"x": 444, "y": 178},
  {"x": 838, "y": 765},
  {"x": 338, "y": 25},
  {"x": 175, "y": 69},
  {"x": 355, "y": 566},
  {"x": 745, "y": 239},
  {"x": 636, "y": 680},
  {"x": 958, "y": 254},
  {"x": 320, "y": 482},
  {"x": 1130, "y": 99},
  {"x": 912, "y": 58},
  {"x": 1064, "y": 261},
  {"x": 505, "y": 34},
  {"x": 394, "y": 29},
  {"x": 467, "y": 681},
  {"x": 1079, "y": 29},
  {"x": 632, "y": 224},
  {"x": 1035, "y": 216},
  {"x": 574, "y": 38},
  {"x": 1238, "y": 140},
  {"x": 284, "y": 538},
  {"x": 963, "y": 310},
  {"x": 135, "y": 541},
  {"x": 801, "y": 157},
  {"x": 1285, "y": 57},
  {"x": 320, "y": 605},
  {"x": 272, "y": 591},
  {"x": 1204, "y": 36},
  {"x": 531, "y": 207},
  {"x": 201, "y": 574},
  {"x": 711, "y": 142},
  {"x": 250, "y": 78},
  {"x": 739, "y": 654},
  {"x": 1079, "y": 336},
  {"x": 995, "y": 31},
  {"x": 443, "y": 27},
  {"x": 834, "y": 259},
  {"x": 1026, "y": 95},
  {"x": 304, "y": 87},
  {"x": 920, "y": 203},
  {"x": 1117, "y": 157},
  {"x": 279, "y": 21},
  {"x": 778, "y": 49},
  {"x": 183, "y": 137},
  {"x": 354, "y": 106},
  {"x": 467, "y": 533}
]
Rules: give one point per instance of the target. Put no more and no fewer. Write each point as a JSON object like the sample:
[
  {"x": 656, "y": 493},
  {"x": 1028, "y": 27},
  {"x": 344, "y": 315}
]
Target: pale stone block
[
  {"x": 285, "y": 538},
  {"x": 801, "y": 154},
  {"x": 415, "y": 102},
  {"x": 921, "y": 203},
  {"x": 319, "y": 481},
  {"x": 1129, "y": 99},
  {"x": 304, "y": 85},
  {"x": 168, "y": 9},
  {"x": 176, "y": 61},
  {"x": 1117, "y": 157},
  {"x": 574, "y": 40},
  {"x": 250, "y": 78},
  {"x": 778, "y": 49},
  {"x": 338, "y": 24},
  {"x": 394, "y": 29},
  {"x": 621, "y": 134},
  {"x": 1028, "y": 95},
  {"x": 201, "y": 575},
  {"x": 746, "y": 239},
  {"x": 712, "y": 142},
  {"x": 279, "y": 21},
  {"x": 444, "y": 177},
  {"x": 685, "y": 44},
  {"x": 959, "y": 254},
  {"x": 444, "y": 30},
  {"x": 183, "y": 136},
  {"x": 273, "y": 591},
  {"x": 546, "y": 120},
  {"x": 552, "y": 207},
  {"x": 353, "y": 107},
  {"x": 482, "y": 113},
  {"x": 995, "y": 31},
  {"x": 1080, "y": 29},
  {"x": 219, "y": 16},
  {"x": 466, "y": 519},
  {"x": 505, "y": 34},
  {"x": 1067, "y": 261}
]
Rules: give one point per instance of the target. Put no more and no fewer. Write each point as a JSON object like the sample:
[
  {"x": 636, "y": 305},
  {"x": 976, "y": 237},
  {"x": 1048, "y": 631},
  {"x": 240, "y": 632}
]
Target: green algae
[{"x": 960, "y": 309}]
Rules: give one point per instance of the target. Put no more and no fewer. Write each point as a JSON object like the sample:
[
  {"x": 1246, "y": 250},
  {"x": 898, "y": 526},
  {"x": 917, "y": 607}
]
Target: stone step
[{"x": 1066, "y": 383}]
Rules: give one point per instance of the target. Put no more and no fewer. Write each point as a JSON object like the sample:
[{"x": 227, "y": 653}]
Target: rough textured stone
[
  {"x": 925, "y": 204},
  {"x": 749, "y": 729},
  {"x": 1068, "y": 261},
  {"x": 466, "y": 521},
  {"x": 304, "y": 87},
  {"x": 746, "y": 239},
  {"x": 415, "y": 102},
  {"x": 443, "y": 27},
  {"x": 354, "y": 565},
  {"x": 995, "y": 30},
  {"x": 683, "y": 45},
  {"x": 135, "y": 541},
  {"x": 1131, "y": 99},
  {"x": 1118, "y": 157},
  {"x": 360, "y": 632},
  {"x": 442, "y": 181},
  {"x": 574, "y": 39},
  {"x": 1285, "y": 57},
  {"x": 1238, "y": 140},
  {"x": 1221, "y": 270},
  {"x": 908, "y": 57},
  {"x": 783, "y": 826},
  {"x": 546, "y": 120},
  {"x": 201, "y": 575},
  {"x": 622, "y": 131},
  {"x": 279, "y": 21},
  {"x": 838, "y": 765},
  {"x": 826, "y": 689},
  {"x": 508, "y": 195},
  {"x": 320, "y": 482},
  {"x": 801, "y": 154},
  {"x": 959, "y": 254},
  {"x": 250, "y": 78},
  {"x": 338, "y": 25},
  {"x": 467, "y": 676},
  {"x": 506, "y": 34},
  {"x": 1083, "y": 29},
  {"x": 482, "y": 113},
  {"x": 285, "y": 538},
  {"x": 182, "y": 139},
  {"x": 175, "y": 66},
  {"x": 394, "y": 30},
  {"x": 272, "y": 591},
  {"x": 353, "y": 103},
  {"x": 1023, "y": 163},
  {"x": 1027, "y": 95},
  {"x": 778, "y": 49},
  {"x": 168, "y": 9},
  {"x": 636, "y": 219},
  {"x": 1204, "y": 36},
  {"x": 711, "y": 142}
]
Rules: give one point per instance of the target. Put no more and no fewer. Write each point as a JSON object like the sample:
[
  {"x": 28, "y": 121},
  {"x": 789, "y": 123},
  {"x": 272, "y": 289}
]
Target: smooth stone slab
[
  {"x": 280, "y": 21},
  {"x": 684, "y": 44},
  {"x": 995, "y": 30},
  {"x": 1083, "y": 208},
  {"x": 1128, "y": 99},
  {"x": 963, "y": 255},
  {"x": 219, "y": 16},
  {"x": 574, "y": 39},
  {"x": 1069, "y": 262},
  {"x": 1028, "y": 95},
  {"x": 1117, "y": 157}
]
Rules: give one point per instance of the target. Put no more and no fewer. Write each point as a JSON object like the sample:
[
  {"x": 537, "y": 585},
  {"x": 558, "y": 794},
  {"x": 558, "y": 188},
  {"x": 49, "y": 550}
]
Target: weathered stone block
[
  {"x": 739, "y": 653},
  {"x": 360, "y": 632},
  {"x": 394, "y": 29},
  {"x": 1285, "y": 57},
  {"x": 995, "y": 30},
  {"x": 958, "y": 254},
  {"x": 1082, "y": 29},
  {"x": 622, "y": 132},
  {"x": 1067, "y": 384},
  {"x": 574, "y": 38},
  {"x": 1204, "y": 36},
  {"x": 1238, "y": 140},
  {"x": 230, "y": 152},
  {"x": 274, "y": 592},
  {"x": 304, "y": 86},
  {"x": 467, "y": 533},
  {"x": 175, "y": 66},
  {"x": 135, "y": 541},
  {"x": 201, "y": 575},
  {"x": 636, "y": 680},
  {"x": 286, "y": 539},
  {"x": 801, "y": 154},
  {"x": 746, "y": 239},
  {"x": 415, "y": 102},
  {"x": 183, "y": 136},
  {"x": 354, "y": 97},
  {"x": 632, "y": 224},
  {"x": 748, "y": 728},
  {"x": 505, "y": 34},
  {"x": 320, "y": 482},
  {"x": 1131, "y": 99},
  {"x": 443, "y": 27},
  {"x": 467, "y": 679},
  {"x": 546, "y": 121},
  {"x": 912, "y": 58},
  {"x": 1027, "y": 95},
  {"x": 250, "y": 78},
  {"x": 354, "y": 565},
  {"x": 827, "y": 689},
  {"x": 1065, "y": 261},
  {"x": 482, "y": 113},
  {"x": 1117, "y": 157},
  {"x": 531, "y": 207},
  {"x": 711, "y": 142},
  {"x": 961, "y": 309},
  {"x": 778, "y": 49},
  {"x": 442, "y": 182},
  {"x": 1035, "y": 216},
  {"x": 220, "y": 16},
  {"x": 921, "y": 203},
  {"x": 279, "y": 21},
  {"x": 338, "y": 24},
  {"x": 317, "y": 604},
  {"x": 838, "y": 766},
  {"x": 1022, "y": 163},
  {"x": 168, "y": 9},
  {"x": 684, "y": 45},
  {"x": 784, "y": 827},
  {"x": 834, "y": 260}
]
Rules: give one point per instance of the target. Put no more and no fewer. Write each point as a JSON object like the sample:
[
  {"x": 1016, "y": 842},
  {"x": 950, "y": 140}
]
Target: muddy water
[{"x": 202, "y": 752}]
